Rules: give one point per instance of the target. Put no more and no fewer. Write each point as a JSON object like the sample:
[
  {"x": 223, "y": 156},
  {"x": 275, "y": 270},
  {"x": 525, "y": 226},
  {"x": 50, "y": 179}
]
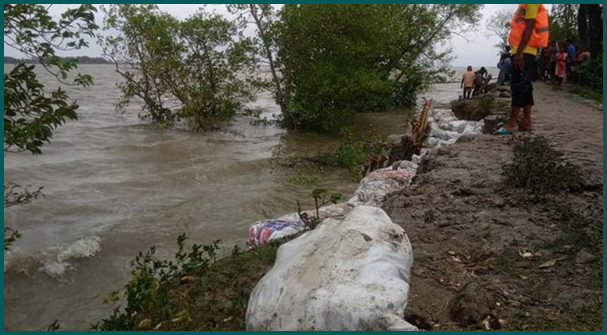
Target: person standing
[
  {"x": 528, "y": 32},
  {"x": 468, "y": 83},
  {"x": 571, "y": 51},
  {"x": 561, "y": 66},
  {"x": 554, "y": 50}
]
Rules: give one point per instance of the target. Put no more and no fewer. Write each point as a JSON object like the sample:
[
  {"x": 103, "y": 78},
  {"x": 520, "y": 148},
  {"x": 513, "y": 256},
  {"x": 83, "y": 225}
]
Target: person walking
[
  {"x": 468, "y": 83},
  {"x": 528, "y": 32}
]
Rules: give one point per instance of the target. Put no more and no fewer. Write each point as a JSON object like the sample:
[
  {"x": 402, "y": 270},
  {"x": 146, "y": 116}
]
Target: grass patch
[
  {"x": 352, "y": 153},
  {"x": 587, "y": 92},
  {"x": 539, "y": 168},
  {"x": 306, "y": 177},
  {"x": 578, "y": 321}
]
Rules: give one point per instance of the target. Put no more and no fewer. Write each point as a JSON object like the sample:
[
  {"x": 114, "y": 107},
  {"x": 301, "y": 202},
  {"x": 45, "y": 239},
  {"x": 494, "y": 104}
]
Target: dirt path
[{"x": 485, "y": 257}]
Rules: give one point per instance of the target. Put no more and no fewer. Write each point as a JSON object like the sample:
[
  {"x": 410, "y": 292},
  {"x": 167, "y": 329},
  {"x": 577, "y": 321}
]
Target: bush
[
  {"x": 486, "y": 103},
  {"x": 192, "y": 292},
  {"x": 541, "y": 169},
  {"x": 192, "y": 70},
  {"x": 338, "y": 60},
  {"x": 590, "y": 74},
  {"x": 353, "y": 153}
]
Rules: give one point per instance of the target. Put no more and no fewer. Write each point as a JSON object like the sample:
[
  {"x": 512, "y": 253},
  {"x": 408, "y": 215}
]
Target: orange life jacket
[{"x": 539, "y": 36}]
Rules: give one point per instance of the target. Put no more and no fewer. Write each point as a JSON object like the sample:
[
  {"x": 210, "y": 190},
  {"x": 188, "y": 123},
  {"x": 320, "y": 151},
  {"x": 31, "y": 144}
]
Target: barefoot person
[
  {"x": 468, "y": 83},
  {"x": 528, "y": 32}
]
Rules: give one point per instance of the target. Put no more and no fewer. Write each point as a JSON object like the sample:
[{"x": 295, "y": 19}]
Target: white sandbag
[
  {"x": 378, "y": 184},
  {"x": 443, "y": 117},
  {"x": 374, "y": 192},
  {"x": 459, "y": 126},
  {"x": 345, "y": 275},
  {"x": 442, "y": 134},
  {"x": 331, "y": 211}
]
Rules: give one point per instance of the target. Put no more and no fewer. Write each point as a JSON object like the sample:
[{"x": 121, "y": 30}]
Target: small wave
[{"x": 83, "y": 248}]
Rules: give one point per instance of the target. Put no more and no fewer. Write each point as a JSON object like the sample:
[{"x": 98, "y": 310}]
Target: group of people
[
  {"x": 474, "y": 83},
  {"x": 554, "y": 63},
  {"x": 559, "y": 61},
  {"x": 530, "y": 56}
]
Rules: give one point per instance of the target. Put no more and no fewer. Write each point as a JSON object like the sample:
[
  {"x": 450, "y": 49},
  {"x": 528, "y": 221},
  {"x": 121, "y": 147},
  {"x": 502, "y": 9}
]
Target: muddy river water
[{"x": 114, "y": 186}]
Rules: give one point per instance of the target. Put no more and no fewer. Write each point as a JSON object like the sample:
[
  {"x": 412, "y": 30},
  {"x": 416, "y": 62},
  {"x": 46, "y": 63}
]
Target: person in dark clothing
[{"x": 528, "y": 33}]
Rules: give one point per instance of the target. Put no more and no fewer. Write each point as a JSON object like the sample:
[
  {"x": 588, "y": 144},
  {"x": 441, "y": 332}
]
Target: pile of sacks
[
  {"x": 445, "y": 129},
  {"x": 352, "y": 271}
]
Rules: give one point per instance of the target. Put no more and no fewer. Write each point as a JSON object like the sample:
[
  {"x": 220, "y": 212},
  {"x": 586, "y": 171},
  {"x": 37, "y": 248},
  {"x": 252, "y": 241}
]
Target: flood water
[{"x": 114, "y": 186}]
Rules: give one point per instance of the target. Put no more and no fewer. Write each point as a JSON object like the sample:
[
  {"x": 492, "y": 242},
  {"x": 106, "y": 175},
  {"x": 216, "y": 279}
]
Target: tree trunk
[
  {"x": 279, "y": 94},
  {"x": 595, "y": 30},
  {"x": 582, "y": 24}
]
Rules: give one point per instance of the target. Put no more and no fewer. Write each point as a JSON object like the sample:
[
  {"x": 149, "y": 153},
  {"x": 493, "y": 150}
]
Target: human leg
[{"x": 527, "y": 102}]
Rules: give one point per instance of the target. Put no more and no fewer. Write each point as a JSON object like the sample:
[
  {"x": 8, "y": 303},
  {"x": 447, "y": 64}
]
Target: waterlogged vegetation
[
  {"x": 195, "y": 290},
  {"x": 352, "y": 153},
  {"x": 326, "y": 62}
]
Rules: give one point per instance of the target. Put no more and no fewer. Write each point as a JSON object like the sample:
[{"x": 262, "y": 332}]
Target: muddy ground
[{"x": 488, "y": 256}]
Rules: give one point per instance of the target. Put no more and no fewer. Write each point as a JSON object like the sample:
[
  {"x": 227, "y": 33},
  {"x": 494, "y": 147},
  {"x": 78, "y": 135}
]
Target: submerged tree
[
  {"x": 342, "y": 59},
  {"x": 264, "y": 20},
  {"x": 191, "y": 69},
  {"x": 31, "y": 112}
]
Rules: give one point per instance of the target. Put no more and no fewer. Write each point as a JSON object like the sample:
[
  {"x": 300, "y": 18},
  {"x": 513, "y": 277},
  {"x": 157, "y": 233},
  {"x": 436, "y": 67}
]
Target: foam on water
[{"x": 83, "y": 248}]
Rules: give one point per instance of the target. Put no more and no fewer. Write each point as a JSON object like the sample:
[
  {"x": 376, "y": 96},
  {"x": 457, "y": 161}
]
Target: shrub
[
  {"x": 353, "y": 153},
  {"x": 153, "y": 295},
  {"x": 538, "y": 167}
]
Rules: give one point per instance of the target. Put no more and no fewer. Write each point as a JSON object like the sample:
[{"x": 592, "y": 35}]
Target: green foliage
[
  {"x": 192, "y": 292},
  {"x": 30, "y": 116},
  {"x": 590, "y": 74},
  {"x": 150, "y": 294},
  {"x": 539, "y": 168},
  {"x": 196, "y": 63},
  {"x": 263, "y": 19},
  {"x": 353, "y": 153},
  {"x": 321, "y": 197},
  {"x": 344, "y": 59},
  {"x": 30, "y": 112},
  {"x": 563, "y": 22},
  {"x": 486, "y": 103},
  {"x": 580, "y": 228},
  {"x": 10, "y": 236},
  {"x": 304, "y": 179}
]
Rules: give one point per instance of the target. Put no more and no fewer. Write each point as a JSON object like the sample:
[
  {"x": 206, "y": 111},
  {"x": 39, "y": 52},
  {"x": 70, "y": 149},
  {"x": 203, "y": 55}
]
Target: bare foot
[
  {"x": 511, "y": 126},
  {"x": 526, "y": 126}
]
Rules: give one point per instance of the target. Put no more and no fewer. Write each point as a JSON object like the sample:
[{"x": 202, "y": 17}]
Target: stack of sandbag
[
  {"x": 378, "y": 184},
  {"x": 350, "y": 274},
  {"x": 446, "y": 128}
]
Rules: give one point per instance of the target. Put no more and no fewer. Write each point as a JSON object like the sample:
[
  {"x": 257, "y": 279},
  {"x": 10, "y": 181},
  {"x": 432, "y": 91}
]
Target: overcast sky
[{"x": 475, "y": 48}]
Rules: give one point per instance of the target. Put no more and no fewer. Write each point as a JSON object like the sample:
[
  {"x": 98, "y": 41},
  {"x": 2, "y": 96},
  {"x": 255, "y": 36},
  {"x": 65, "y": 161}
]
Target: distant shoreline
[{"x": 79, "y": 59}]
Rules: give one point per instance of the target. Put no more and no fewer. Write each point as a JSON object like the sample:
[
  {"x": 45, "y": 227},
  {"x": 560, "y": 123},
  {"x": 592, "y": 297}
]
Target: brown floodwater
[{"x": 114, "y": 186}]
